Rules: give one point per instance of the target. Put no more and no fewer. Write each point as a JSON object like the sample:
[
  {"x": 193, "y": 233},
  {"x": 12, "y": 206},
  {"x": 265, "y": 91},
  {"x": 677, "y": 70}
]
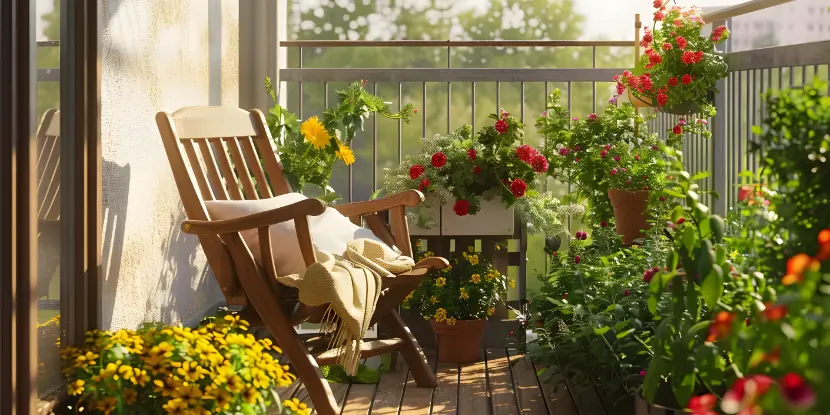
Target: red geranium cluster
[
  {"x": 742, "y": 397},
  {"x": 532, "y": 156},
  {"x": 676, "y": 56}
]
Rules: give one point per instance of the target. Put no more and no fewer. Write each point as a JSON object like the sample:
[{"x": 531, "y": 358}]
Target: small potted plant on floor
[
  {"x": 218, "y": 367},
  {"x": 477, "y": 181},
  {"x": 457, "y": 302},
  {"x": 679, "y": 69}
]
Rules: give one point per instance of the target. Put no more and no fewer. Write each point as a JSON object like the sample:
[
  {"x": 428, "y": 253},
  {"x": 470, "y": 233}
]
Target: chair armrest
[
  {"x": 303, "y": 208},
  {"x": 406, "y": 198}
]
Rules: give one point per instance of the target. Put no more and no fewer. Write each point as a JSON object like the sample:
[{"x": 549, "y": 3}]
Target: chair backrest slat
[
  {"x": 218, "y": 150},
  {"x": 198, "y": 169},
  {"x": 242, "y": 172},
  {"x": 49, "y": 166},
  {"x": 227, "y": 171},
  {"x": 256, "y": 166},
  {"x": 216, "y": 183}
]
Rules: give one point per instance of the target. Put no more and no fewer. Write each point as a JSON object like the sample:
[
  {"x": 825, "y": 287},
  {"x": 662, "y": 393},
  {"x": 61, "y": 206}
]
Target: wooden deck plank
[
  {"x": 360, "y": 396},
  {"x": 556, "y": 391},
  {"x": 585, "y": 396},
  {"x": 472, "y": 389},
  {"x": 503, "y": 396},
  {"x": 416, "y": 401},
  {"x": 531, "y": 400},
  {"x": 339, "y": 390},
  {"x": 445, "y": 398},
  {"x": 390, "y": 389}
]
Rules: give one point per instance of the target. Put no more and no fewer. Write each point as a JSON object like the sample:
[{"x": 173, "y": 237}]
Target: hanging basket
[
  {"x": 461, "y": 342},
  {"x": 638, "y": 101},
  {"x": 682, "y": 108},
  {"x": 630, "y": 213}
]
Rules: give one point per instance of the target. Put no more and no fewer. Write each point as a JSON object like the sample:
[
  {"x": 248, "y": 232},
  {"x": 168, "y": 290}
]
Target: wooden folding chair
[
  {"x": 48, "y": 199},
  {"x": 227, "y": 153}
]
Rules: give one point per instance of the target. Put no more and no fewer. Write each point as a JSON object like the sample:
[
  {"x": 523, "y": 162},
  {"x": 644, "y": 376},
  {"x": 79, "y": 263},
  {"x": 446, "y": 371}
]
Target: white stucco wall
[{"x": 156, "y": 56}]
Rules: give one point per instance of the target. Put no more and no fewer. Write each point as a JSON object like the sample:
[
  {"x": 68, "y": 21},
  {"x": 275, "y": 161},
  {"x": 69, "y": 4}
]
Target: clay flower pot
[
  {"x": 629, "y": 213},
  {"x": 461, "y": 342},
  {"x": 682, "y": 108}
]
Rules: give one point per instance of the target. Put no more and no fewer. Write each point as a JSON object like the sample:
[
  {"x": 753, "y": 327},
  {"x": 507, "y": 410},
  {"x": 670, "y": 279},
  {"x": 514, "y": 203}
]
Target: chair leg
[{"x": 411, "y": 351}]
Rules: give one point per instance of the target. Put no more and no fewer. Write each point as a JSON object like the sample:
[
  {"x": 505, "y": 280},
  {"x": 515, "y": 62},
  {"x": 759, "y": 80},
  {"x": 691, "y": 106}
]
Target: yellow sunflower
[
  {"x": 345, "y": 153},
  {"x": 314, "y": 132}
]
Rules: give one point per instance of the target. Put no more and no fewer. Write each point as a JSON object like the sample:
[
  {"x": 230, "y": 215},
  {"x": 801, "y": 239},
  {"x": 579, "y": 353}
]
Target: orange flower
[
  {"x": 720, "y": 326},
  {"x": 797, "y": 266},
  {"x": 772, "y": 357},
  {"x": 774, "y": 312},
  {"x": 824, "y": 245}
]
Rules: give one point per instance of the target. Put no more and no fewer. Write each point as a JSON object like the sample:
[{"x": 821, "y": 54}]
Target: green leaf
[
  {"x": 692, "y": 303},
  {"x": 718, "y": 226},
  {"x": 676, "y": 213},
  {"x": 689, "y": 238},
  {"x": 701, "y": 175},
  {"x": 705, "y": 228},
  {"x": 657, "y": 368},
  {"x": 710, "y": 365},
  {"x": 683, "y": 378},
  {"x": 622, "y": 334},
  {"x": 672, "y": 259},
  {"x": 712, "y": 286},
  {"x": 599, "y": 331},
  {"x": 704, "y": 258},
  {"x": 757, "y": 130},
  {"x": 720, "y": 255}
]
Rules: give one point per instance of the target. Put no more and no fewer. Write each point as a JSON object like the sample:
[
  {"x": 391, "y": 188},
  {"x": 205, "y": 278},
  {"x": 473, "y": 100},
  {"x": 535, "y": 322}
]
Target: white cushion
[{"x": 329, "y": 232}]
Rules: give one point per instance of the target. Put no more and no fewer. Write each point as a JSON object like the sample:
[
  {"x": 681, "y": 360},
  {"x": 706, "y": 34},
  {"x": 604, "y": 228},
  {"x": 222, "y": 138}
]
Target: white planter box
[{"x": 492, "y": 219}]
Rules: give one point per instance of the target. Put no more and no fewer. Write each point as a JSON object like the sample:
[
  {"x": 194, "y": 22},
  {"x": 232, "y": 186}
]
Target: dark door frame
[{"x": 81, "y": 182}]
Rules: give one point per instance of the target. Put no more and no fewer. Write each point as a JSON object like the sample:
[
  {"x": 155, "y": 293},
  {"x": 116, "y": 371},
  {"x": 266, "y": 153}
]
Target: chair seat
[{"x": 367, "y": 349}]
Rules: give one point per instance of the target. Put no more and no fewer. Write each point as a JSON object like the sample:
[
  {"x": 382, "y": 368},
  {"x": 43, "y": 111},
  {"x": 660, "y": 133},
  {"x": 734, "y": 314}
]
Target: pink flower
[
  {"x": 518, "y": 187},
  {"x": 471, "y": 154},
  {"x": 702, "y": 121},
  {"x": 613, "y": 171},
  {"x": 643, "y": 373},
  {"x": 798, "y": 394},
  {"x": 617, "y": 159},
  {"x": 501, "y": 126},
  {"x": 613, "y": 100},
  {"x": 592, "y": 117},
  {"x": 563, "y": 151},
  {"x": 623, "y": 169},
  {"x": 620, "y": 88}
]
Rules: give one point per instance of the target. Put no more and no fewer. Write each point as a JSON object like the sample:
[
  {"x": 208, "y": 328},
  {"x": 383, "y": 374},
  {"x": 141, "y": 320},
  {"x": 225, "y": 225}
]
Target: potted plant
[
  {"x": 611, "y": 160},
  {"x": 457, "y": 302},
  {"x": 309, "y": 149},
  {"x": 466, "y": 175},
  {"x": 218, "y": 367},
  {"x": 679, "y": 69}
]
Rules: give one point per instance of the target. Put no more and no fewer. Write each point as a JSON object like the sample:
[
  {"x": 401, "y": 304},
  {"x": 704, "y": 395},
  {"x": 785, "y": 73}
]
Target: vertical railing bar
[
  {"x": 498, "y": 98},
  {"x": 400, "y": 123},
  {"x": 326, "y": 91},
  {"x": 374, "y": 143},
  {"x": 739, "y": 121},
  {"x": 803, "y": 75},
  {"x": 570, "y": 115},
  {"x": 751, "y": 119},
  {"x": 473, "y": 105},
  {"x": 594, "y": 83},
  {"x": 780, "y": 78},
  {"x": 792, "y": 76},
  {"x": 424, "y": 108},
  {"x": 449, "y": 91},
  {"x": 300, "y": 85},
  {"x": 522, "y": 97}
]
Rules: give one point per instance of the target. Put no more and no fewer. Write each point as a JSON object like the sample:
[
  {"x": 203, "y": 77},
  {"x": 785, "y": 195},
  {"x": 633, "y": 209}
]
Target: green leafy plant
[
  {"x": 680, "y": 65},
  {"x": 467, "y": 169},
  {"x": 217, "y": 367},
  {"x": 308, "y": 150},
  {"x": 468, "y": 289}
]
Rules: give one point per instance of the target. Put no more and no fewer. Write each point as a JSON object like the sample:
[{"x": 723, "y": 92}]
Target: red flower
[
  {"x": 563, "y": 151},
  {"x": 648, "y": 37},
  {"x": 645, "y": 82},
  {"x": 659, "y": 16},
  {"x": 424, "y": 185},
  {"x": 824, "y": 245},
  {"x": 539, "y": 163},
  {"x": 603, "y": 224},
  {"x": 677, "y": 130},
  {"x": 687, "y": 79},
  {"x": 501, "y": 126},
  {"x": 476, "y": 170},
  {"x": 592, "y": 117},
  {"x": 744, "y": 393},
  {"x": 698, "y": 56},
  {"x": 655, "y": 59},
  {"x": 681, "y": 42},
  {"x": 688, "y": 58},
  {"x": 603, "y": 153},
  {"x": 620, "y": 88},
  {"x": 626, "y": 293},
  {"x": 797, "y": 392},
  {"x": 681, "y": 221},
  {"x": 518, "y": 187},
  {"x": 702, "y": 405},
  {"x": 471, "y": 154},
  {"x": 613, "y": 171},
  {"x": 797, "y": 266},
  {"x": 577, "y": 259},
  {"x": 525, "y": 153},
  {"x": 658, "y": 4},
  {"x": 461, "y": 207},
  {"x": 416, "y": 171},
  {"x": 439, "y": 159},
  {"x": 721, "y": 326},
  {"x": 662, "y": 99},
  {"x": 667, "y": 46},
  {"x": 774, "y": 312},
  {"x": 617, "y": 159},
  {"x": 673, "y": 81}
]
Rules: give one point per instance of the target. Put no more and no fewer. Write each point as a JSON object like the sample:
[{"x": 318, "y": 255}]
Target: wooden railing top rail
[
  {"x": 741, "y": 9},
  {"x": 453, "y": 43}
]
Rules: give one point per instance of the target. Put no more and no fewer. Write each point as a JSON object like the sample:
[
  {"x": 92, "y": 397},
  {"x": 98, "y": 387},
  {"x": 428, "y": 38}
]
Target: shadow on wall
[
  {"x": 181, "y": 280},
  {"x": 114, "y": 202}
]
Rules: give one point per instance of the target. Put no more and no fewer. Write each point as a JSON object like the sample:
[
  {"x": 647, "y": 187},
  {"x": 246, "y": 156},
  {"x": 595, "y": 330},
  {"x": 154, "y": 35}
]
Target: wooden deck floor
[{"x": 504, "y": 383}]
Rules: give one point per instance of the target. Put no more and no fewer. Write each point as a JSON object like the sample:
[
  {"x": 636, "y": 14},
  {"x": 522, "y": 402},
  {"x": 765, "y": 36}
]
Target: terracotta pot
[
  {"x": 630, "y": 213},
  {"x": 461, "y": 342},
  {"x": 639, "y": 102}
]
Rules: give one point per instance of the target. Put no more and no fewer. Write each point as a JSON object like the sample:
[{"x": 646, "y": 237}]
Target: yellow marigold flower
[
  {"x": 345, "y": 153},
  {"x": 450, "y": 321},
  {"x": 433, "y": 299},
  {"x": 463, "y": 294},
  {"x": 223, "y": 400},
  {"x": 250, "y": 395},
  {"x": 428, "y": 254},
  {"x": 470, "y": 249},
  {"x": 491, "y": 311},
  {"x": 476, "y": 278},
  {"x": 512, "y": 283},
  {"x": 440, "y": 282},
  {"x": 106, "y": 405},
  {"x": 440, "y": 315},
  {"x": 314, "y": 132},
  {"x": 130, "y": 396},
  {"x": 77, "y": 387},
  {"x": 296, "y": 406}
]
